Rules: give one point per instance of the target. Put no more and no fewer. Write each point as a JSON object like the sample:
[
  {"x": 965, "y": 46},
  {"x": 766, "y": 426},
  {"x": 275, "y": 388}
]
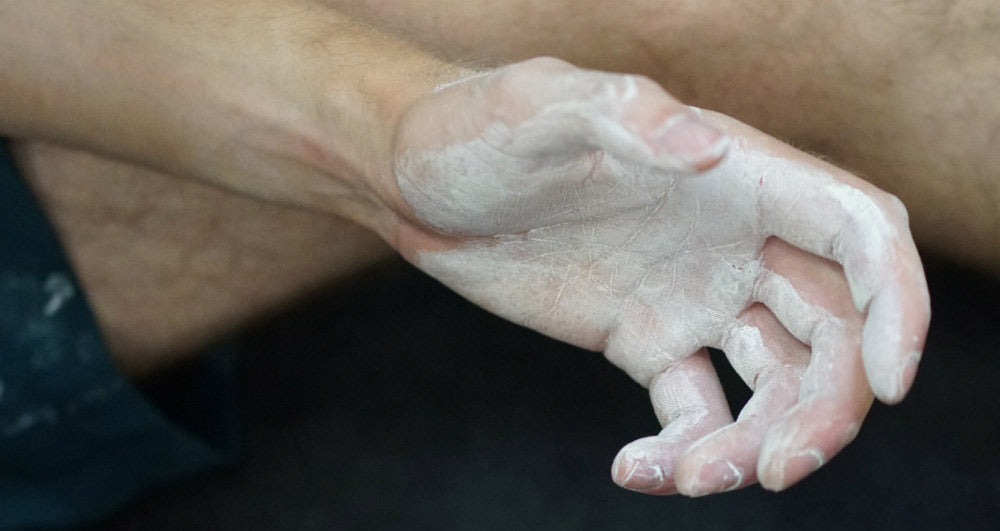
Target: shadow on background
[{"x": 395, "y": 404}]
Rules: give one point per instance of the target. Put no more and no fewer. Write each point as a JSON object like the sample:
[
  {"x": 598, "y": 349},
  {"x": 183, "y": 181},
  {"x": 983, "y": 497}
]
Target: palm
[
  {"x": 651, "y": 282},
  {"x": 564, "y": 221}
]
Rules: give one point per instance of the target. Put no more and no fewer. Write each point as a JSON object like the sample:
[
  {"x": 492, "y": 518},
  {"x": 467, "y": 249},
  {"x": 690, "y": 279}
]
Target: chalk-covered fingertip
[
  {"x": 892, "y": 388},
  {"x": 721, "y": 475},
  {"x": 686, "y": 142},
  {"x": 769, "y": 475},
  {"x": 882, "y": 348},
  {"x": 786, "y": 469},
  {"x": 638, "y": 474}
]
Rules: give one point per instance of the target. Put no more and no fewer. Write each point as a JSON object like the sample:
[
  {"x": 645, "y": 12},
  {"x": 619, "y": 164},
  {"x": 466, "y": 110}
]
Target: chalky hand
[{"x": 597, "y": 209}]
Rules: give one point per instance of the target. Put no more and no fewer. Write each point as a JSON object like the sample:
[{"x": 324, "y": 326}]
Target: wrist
[
  {"x": 289, "y": 102},
  {"x": 361, "y": 101}
]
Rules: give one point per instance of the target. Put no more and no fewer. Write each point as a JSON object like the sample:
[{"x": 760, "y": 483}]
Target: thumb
[
  {"x": 543, "y": 142},
  {"x": 553, "y": 106}
]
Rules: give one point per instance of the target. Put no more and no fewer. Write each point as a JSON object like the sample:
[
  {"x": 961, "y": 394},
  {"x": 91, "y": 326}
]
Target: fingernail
[
  {"x": 716, "y": 476},
  {"x": 638, "y": 475},
  {"x": 687, "y": 139}
]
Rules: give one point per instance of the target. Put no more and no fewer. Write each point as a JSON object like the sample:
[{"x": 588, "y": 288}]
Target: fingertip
[
  {"x": 713, "y": 155},
  {"x": 767, "y": 485},
  {"x": 898, "y": 316},
  {"x": 617, "y": 472},
  {"x": 782, "y": 466},
  {"x": 769, "y": 475},
  {"x": 687, "y": 474},
  {"x": 796, "y": 467},
  {"x": 622, "y": 467},
  {"x": 637, "y": 469},
  {"x": 680, "y": 137},
  {"x": 687, "y": 142},
  {"x": 908, "y": 372},
  {"x": 898, "y": 340},
  {"x": 898, "y": 385},
  {"x": 701, "y": 479},
  {"x": 880, "y": 348}
]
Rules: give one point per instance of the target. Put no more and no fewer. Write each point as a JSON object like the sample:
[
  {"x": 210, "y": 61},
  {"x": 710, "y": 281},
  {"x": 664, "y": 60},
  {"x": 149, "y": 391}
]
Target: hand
[
  {"x": 569, "y": 201},
  {"x": 831, "y": 76}
]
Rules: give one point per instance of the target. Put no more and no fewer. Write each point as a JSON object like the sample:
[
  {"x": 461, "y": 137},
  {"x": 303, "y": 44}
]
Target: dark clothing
[{"x": 76, "y": 438}]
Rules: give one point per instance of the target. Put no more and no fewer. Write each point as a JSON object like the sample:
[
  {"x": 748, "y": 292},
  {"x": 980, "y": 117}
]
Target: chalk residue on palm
[{"x": 598, "y": 210}]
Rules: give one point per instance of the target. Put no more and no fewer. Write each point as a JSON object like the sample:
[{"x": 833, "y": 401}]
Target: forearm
[
  {"x": 736, "y": 57},
  {"x": 171, "y": 265},
  {"x": 287, "y": 101}
]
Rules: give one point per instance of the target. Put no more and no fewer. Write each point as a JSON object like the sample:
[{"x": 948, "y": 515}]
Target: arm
[
  {"x": 284, "y": 101},
  {"x": 169, "y": 266},
  {"x": 300, "y": 106},
  {"x": 901, "y": 93}
]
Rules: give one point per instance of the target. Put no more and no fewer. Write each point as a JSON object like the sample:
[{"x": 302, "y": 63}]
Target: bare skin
[
  {"x": 326, "y": 117},
  {"x": 901, "y": 93},
  {"x": 625, "y": 261},
  {"x": 170, "y": 265}
]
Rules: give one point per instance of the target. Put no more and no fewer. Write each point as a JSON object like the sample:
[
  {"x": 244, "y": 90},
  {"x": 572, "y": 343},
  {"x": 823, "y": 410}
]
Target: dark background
[{"x": 395, "y": 404}]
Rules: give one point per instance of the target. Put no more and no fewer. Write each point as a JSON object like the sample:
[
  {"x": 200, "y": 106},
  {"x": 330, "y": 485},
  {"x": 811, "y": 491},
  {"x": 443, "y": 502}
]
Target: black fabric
[{"x": 77, "y": 440}]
